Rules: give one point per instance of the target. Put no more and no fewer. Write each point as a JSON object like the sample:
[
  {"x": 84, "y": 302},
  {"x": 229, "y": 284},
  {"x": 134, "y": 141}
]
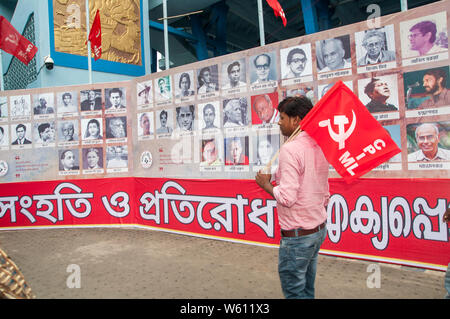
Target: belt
[{"x": 301, "y": 232}]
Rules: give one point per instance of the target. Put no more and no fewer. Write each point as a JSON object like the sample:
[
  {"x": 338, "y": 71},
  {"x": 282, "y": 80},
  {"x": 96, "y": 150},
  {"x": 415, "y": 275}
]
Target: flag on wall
[
  {"x": 14, "y": 43},
  {"x": 95, "y": 36},
  {"x": 277, "y": 10},
  {"x": 352, "y": 140}
]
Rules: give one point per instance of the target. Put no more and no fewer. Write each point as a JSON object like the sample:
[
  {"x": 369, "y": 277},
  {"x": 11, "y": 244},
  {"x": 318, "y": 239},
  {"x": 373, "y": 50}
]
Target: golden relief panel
[{"x": 120, "y": 21}]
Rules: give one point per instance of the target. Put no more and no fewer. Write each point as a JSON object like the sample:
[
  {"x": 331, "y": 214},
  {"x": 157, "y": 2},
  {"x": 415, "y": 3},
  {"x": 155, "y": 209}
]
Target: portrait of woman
[
  {"x": 93, "y": 130},
  {"x": 93, "y": 158}
]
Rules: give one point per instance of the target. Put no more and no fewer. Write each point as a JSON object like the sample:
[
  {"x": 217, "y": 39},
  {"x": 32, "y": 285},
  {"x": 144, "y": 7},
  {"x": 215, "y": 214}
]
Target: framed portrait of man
[
  {"x": 21, "y": 135},
  {"x": 67, "y": 103},
  {"x": 209, "y": 116},
  {"x": 375, "y": 49},
  {"x": 380, "y": 96},
  {"x": 208, "y": 81},
  {"x": 263, "y": 69},
  {"x": 69, "y": 161},
  {"x": 44, "y": 134},
  {"x": 43, "y": 105},
  {"x": 334, "y": 55},
  {"x": 163, "y": 90},
  {"x": 91, "y": 101},
  {"x": 427, "y": 92},
  {"x": 115, "y": 100},
  {"x": 236, "y": 152},
  {"x": 164, "y": 123},
  {"x": 234, "y": 76},
  {"x": 145, "y": 126},
  {"x": 424, "y": 37},
  {"x": 428, "y": 145},
  {"x": 296, "y": 64},
  {"x": 264, "y": 109}
]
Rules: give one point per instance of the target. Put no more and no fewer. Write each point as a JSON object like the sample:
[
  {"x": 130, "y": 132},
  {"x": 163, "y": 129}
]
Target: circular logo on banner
[
  {"x": 146, "y": 159},
  {"x": 3, "y": 168}
]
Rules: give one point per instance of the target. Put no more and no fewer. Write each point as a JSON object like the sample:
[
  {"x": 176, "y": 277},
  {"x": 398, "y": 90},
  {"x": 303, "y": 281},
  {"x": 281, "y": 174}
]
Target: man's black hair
[{"x": 295, "y": 106}]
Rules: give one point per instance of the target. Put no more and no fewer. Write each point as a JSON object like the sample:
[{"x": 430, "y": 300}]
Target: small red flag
[
  {"x": 277, "y": 10},
  {"x": 352, "y": 140},
  {"x": 14, "y": 43},
  {"x": 95, "y": 36}
]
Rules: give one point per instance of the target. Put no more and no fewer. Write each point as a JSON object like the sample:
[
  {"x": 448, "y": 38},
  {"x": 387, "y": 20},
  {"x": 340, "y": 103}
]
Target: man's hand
[{"x": 263, "y": 180}]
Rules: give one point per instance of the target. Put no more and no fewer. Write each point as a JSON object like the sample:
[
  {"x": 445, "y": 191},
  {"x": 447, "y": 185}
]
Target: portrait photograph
[
  {"x": 185, "y": 119},
  {"x": 21, "y": 135},
  {"x": 92, "y": 159},
  {"x": 69, "y": 160},
  {"x": 67, "y": 103},
  {"x": 145, "y": 126},
  {"x": 266, "y": 146},
  {"x": 234, "y": 75},
  {"x": 263, "y": 68},
  {"x": 116, "y": 127},
  {"x": 115, "y": 99},
  {"x": 144, "y": 91},
  {"x": 92, "y": 130},
  {"x": 333, "y": 54},
  {"x": 299, "y": 90},
  {"x": 163, "y": 89},
  {"x": 4, "y": 137},
  {"x": 43, "y": 105},
  {"x": 3, "y": 109},
  {"x": 164, "y": 122},
  {"x": 91, "y": 100},
  {"x": 235, "y": 112},
  {"x": 211, "y": 154},
  {"x": 209, "y": 115},
  {"x": 394, "y": 133},
  {"x": 68, "y": 131},
  {"x": 322, "y": 89},
  {"x": 427, "y": 90},
  {"x": 185, "y": 85},
  {"x": 236, "y": 151},
  {"x": 428, "y": 142},
  {"x": 296, "y": 63},
  {"x": 117, "y": 158},
  {"x": 423, "y": 37},
  {"x": 375, "y": 46},
  {"x": 264, "y": 108},
  {"x": 44, "y": 134},
  {"x": 379, "y": 94},
  {"x": 20, "y": 106},
  {"x": 208, "y": 79}
]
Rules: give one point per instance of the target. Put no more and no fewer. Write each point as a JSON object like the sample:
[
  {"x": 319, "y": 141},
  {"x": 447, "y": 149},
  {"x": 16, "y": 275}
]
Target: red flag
[
  {"x": 95, "y": 36},
  {"x": 352, "y": 140},
  {"x": 14, "y": 43},
  {"x": 277, "y": 10}
]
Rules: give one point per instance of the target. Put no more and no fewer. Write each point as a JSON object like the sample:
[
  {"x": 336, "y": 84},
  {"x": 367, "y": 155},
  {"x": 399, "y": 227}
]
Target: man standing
[
  {"x": 302, "y": 195},
  {"x": 373, "y": 43},
  {"x": 434, "y": 83},
  {"x": 427, "y": 138},
  {"x": 422, "y": 37},
  {"x": 378, "y": 92},
  {"x": 264, "y": 109}
]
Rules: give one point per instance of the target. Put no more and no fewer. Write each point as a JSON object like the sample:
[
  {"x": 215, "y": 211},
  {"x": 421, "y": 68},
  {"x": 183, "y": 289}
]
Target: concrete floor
[{"x": 138, "y": 263}]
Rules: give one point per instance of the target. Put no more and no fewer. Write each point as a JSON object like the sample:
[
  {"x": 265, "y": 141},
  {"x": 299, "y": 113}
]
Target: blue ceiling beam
[{"x": 309, "y": 16}]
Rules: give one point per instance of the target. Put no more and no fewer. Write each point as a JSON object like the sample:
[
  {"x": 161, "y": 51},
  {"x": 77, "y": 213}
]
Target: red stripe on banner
[{"x": 389, "y": 220}]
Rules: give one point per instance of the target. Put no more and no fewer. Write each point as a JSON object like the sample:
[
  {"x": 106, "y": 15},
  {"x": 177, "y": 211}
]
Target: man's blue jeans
[{"x": 297, "y": 264}]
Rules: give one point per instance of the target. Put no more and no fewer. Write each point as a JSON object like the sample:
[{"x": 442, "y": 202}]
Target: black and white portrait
[
  {"x": 263, "y": 68},
  {"x": 67, "y": 103},
  {"x": 184, "y": 85},
  {"x": 234, "y": 75},
  {"x": 296, "y": 63},
  {"x": 333, "y": 54},
  {"x": 208, "y": 79},
  {"x": 144, "y": 91},
  {"x": 115, "y": 99},
  {"x": 375, "y": 46}
]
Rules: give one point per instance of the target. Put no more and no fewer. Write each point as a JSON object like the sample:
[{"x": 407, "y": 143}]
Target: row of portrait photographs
[
  {"x": 42, "y": 106},
  {"x": 93, "y": 160},
  {"x": 235, "y": 114},
  {"x": 237, "y": 152},
  {"x": 63, "y": 133},
  {"x": 423, "y": 40}
]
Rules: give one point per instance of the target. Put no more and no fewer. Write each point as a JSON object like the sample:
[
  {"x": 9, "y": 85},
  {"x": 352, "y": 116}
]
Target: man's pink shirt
[{"x": 302, "y": 190}]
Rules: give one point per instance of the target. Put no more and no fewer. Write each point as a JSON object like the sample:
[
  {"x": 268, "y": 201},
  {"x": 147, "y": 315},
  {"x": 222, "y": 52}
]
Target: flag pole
[
  {"x": 262, "y": 39},
  {"x": 88, "y": 43}
]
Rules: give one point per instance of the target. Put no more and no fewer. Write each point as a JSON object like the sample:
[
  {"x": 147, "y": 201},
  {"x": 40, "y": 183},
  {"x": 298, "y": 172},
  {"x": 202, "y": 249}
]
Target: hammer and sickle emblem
[
  {"x": 13, "y": 38},
  {"x": 342, "y": 134}
]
